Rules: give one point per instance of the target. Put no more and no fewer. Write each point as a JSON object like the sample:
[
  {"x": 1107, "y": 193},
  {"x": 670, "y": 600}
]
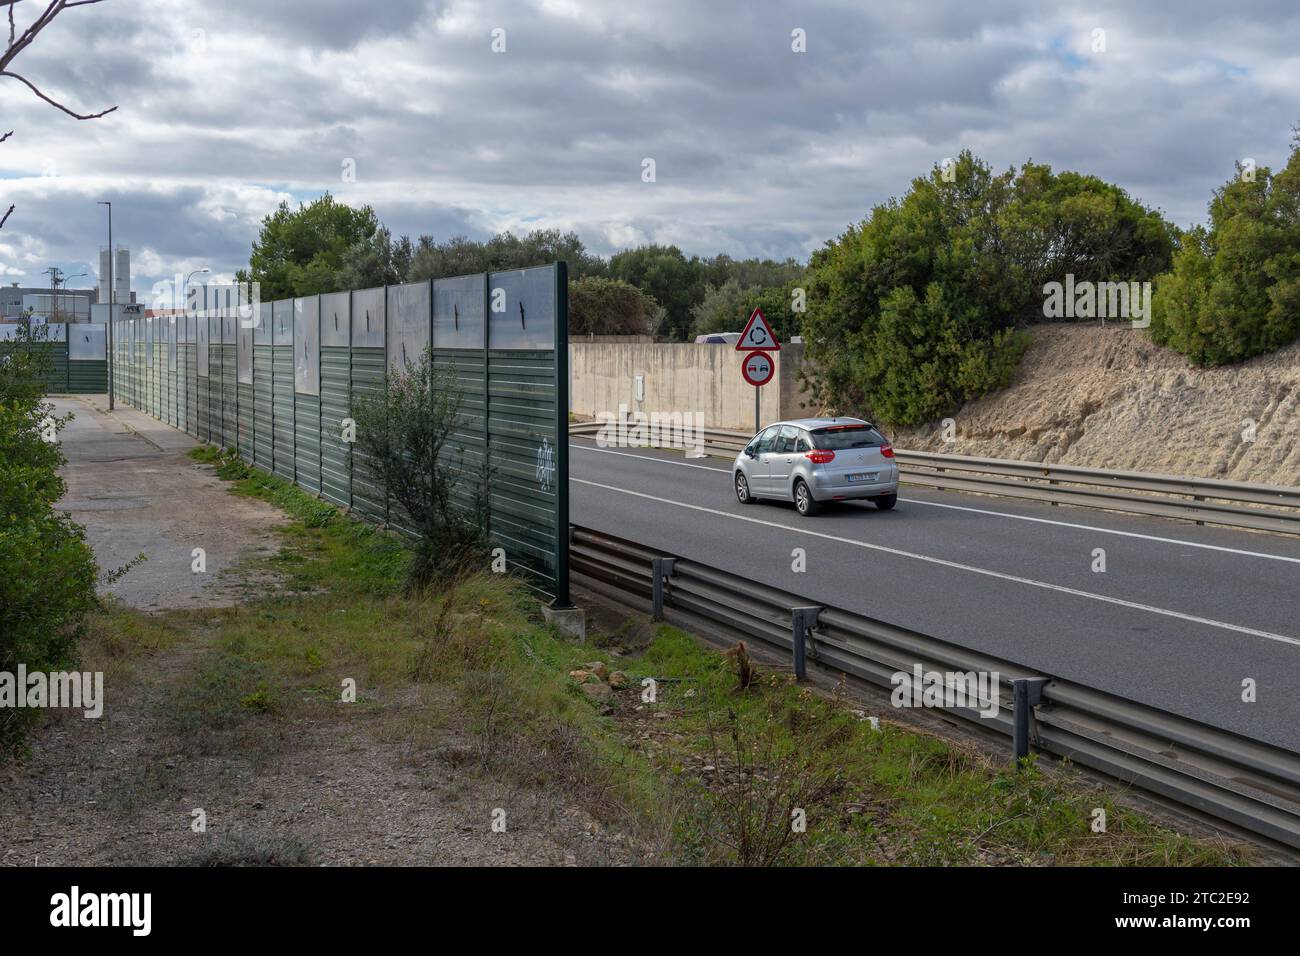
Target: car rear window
[{"x": 840, "y": 437}]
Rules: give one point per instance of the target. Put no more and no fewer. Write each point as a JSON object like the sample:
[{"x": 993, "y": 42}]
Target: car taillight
[
  {"x": 887, "y": 451},
  {"x": 821, "y": 457}
]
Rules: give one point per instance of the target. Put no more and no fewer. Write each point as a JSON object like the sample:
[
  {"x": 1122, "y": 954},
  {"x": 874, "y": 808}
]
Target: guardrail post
[
  {"x": 660, "y": 568},
  {"x": 1026, "y": 694},
  {"x": 802, "y": 619}
]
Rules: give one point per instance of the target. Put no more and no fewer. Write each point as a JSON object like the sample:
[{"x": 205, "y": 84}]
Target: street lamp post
[
  {"x": 65, "y": 280},
  {"x": 109, "y": 356},
  {"x": 186, "y": 288}
]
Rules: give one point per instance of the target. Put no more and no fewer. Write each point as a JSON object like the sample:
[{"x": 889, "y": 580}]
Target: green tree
[
  {"x": 1234, "y": 289},
  {"x": 921, "y": 307},
  {"x": 302, "y": 251},
  {"x": 610, "y": 307},
  {"x": 721, "y": 308},
  {"x": 459, "y": 255},
  {"x": 375, "y": 261},
  {"x": 664, "y": 273}
]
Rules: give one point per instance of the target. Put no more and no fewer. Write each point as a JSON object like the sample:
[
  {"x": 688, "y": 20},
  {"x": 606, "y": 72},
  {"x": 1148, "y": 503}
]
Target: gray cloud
[{"x": 227, "y": 107}]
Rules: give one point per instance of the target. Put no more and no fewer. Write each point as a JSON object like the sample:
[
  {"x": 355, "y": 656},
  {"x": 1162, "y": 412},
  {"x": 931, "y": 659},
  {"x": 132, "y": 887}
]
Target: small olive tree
[{"x": 407, "y": 431}]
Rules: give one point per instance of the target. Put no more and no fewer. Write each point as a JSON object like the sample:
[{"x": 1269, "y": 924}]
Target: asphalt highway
[{"x": 1180, "y": 617}]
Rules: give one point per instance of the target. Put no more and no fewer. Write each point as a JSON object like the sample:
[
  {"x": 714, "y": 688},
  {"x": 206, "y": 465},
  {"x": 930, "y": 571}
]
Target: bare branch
[
  {"x": 19, "y": 42},
  {"x": 55, "y": 103}
]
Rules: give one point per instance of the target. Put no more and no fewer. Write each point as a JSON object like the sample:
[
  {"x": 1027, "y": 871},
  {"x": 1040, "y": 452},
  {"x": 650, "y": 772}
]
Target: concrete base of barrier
[{"x": 571, "y": 621}]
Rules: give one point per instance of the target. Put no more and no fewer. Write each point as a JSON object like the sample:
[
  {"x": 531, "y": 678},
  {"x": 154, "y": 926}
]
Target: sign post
[{"x": 758, "y": 339}]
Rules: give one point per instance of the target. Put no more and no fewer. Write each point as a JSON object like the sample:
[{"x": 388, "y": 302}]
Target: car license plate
[{"x": 867, "y": 476}]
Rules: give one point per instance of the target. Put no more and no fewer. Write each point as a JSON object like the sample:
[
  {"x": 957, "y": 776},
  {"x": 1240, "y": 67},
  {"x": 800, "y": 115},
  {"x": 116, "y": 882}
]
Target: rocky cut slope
[{"x": 1110, "y": 398}]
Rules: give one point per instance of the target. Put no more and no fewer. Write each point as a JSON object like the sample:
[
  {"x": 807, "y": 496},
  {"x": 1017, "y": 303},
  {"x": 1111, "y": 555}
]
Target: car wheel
[
  {"x": 804, "y": 502},
  {"x": 885, "y": 502},
  {"x": 742, "y": 490}
]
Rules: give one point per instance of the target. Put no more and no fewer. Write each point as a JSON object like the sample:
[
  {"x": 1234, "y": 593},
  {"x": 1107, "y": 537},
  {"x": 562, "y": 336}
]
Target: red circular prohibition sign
[{"x": 757, "y": 368}]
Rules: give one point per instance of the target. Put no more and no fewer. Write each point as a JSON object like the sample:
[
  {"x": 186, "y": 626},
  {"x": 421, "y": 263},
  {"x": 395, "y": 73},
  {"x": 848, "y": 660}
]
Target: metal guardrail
[
  {"x": 1225, "y": 775},
  {"x": 1237, "y": 504}
]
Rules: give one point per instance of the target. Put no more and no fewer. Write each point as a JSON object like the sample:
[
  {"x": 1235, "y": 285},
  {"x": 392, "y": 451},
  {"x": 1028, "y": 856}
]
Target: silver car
[{"x": 815, "y": 460}]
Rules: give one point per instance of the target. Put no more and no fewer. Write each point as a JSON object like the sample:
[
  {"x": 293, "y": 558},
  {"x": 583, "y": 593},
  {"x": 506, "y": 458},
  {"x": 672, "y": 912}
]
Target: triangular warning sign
[{"x": 758, "y": 335}]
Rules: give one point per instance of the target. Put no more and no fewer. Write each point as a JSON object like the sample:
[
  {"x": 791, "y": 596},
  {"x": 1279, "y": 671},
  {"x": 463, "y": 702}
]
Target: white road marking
[
  {"x": 662, "y": 461},
  {"x": 1002, "y": 514},
  {"x": 1061, "y": 589}
]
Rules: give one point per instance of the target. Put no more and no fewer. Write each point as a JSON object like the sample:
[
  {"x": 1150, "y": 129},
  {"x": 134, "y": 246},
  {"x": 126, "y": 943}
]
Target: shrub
[
  {"x": 610, "y": 307},
  {"x": 1234, "y": 290},
  {"x": 407, "y": 430},
  {"x": 47, "y": 571}
]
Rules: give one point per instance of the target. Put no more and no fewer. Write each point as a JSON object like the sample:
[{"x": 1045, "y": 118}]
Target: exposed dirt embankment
[{"x": 1110, "y": 398}]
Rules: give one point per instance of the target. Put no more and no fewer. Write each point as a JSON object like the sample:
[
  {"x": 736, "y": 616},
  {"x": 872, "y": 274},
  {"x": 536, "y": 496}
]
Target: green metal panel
[
  {"x": 159, "y": 366},
  {"x": 368, "y": 496},
  {"x": 335, "y": 406},
  {"x": 183, "y": 358},
  {"x": 204, "y": 348},
  {"x": 191, "y": 376},
  {"x": 408, "y": 324},
  {"x": 465, "y": 369},
  {"x": 282, "y": 383},
  {"x": 336, "y": 397},
  {"x": 246, "y": 425},
  {"x": 263, "y": 405},
  {"x": 244, "y": 332},
  {"x": 306, "y": 385},
  {"x": 146, "y": 366},
  {"x": 88, "y": 377},
  {"x": 215, "y": 411},
  {"x": 229, "y": 399},
  {"x": 139, "y": 369},
  {"x": 169, "y": 369},
  {"x": 306, "y": 435},
  {"x": 263, "y": 436},
  {"x": 522, "y": 444},
  {"x": 369, "y": 315}
]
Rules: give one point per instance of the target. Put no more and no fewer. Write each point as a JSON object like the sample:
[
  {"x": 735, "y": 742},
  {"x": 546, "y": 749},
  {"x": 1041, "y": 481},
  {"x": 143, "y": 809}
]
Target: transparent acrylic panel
[
  {"x": 244, "y": 351},
  {"x": 172, "y": 334},
  {"x": 229, "y": 319},
  {"x": 408, "y": 324},
  {"x": 306, "y": 345},
  {"x": 282, "y": 322},
  {"x": 262, "y": 331},
  {"x": 248, "y": 309},
  {"x": 522, "y": 309},
  {"x": 201, "y": 328},
  {"x": 458, "y": 312},
  {"x": 368, "y": 318},
  {"x": 88, "y": 342},
  {"x": 335, "y": 319},
  {"x": 149, "y": 335}
]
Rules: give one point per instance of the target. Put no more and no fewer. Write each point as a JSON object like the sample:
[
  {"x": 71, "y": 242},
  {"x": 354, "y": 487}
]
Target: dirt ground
[
  {"x": 330, "y": 786},
  {"x": 1110, "y": 398},
  {"x": 132, "y": 486}
]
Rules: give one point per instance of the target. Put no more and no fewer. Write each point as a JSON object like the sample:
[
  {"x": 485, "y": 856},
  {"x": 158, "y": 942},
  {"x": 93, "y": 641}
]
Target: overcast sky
[{"x": 225, "y": 107}]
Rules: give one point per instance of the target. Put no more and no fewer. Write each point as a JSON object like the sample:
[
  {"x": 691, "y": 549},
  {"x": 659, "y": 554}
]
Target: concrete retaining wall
[{"x": 683, "y": 378}]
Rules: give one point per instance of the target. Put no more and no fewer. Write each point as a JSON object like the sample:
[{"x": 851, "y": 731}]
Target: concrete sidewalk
[{"x": 133, "y": 487}]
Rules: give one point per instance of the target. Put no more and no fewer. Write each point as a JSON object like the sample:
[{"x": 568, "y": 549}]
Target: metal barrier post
[
  {"x": 660, "y": 568},
  {"x": 802, "y": 619},
  {"x": 1026, "y": 694}
]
